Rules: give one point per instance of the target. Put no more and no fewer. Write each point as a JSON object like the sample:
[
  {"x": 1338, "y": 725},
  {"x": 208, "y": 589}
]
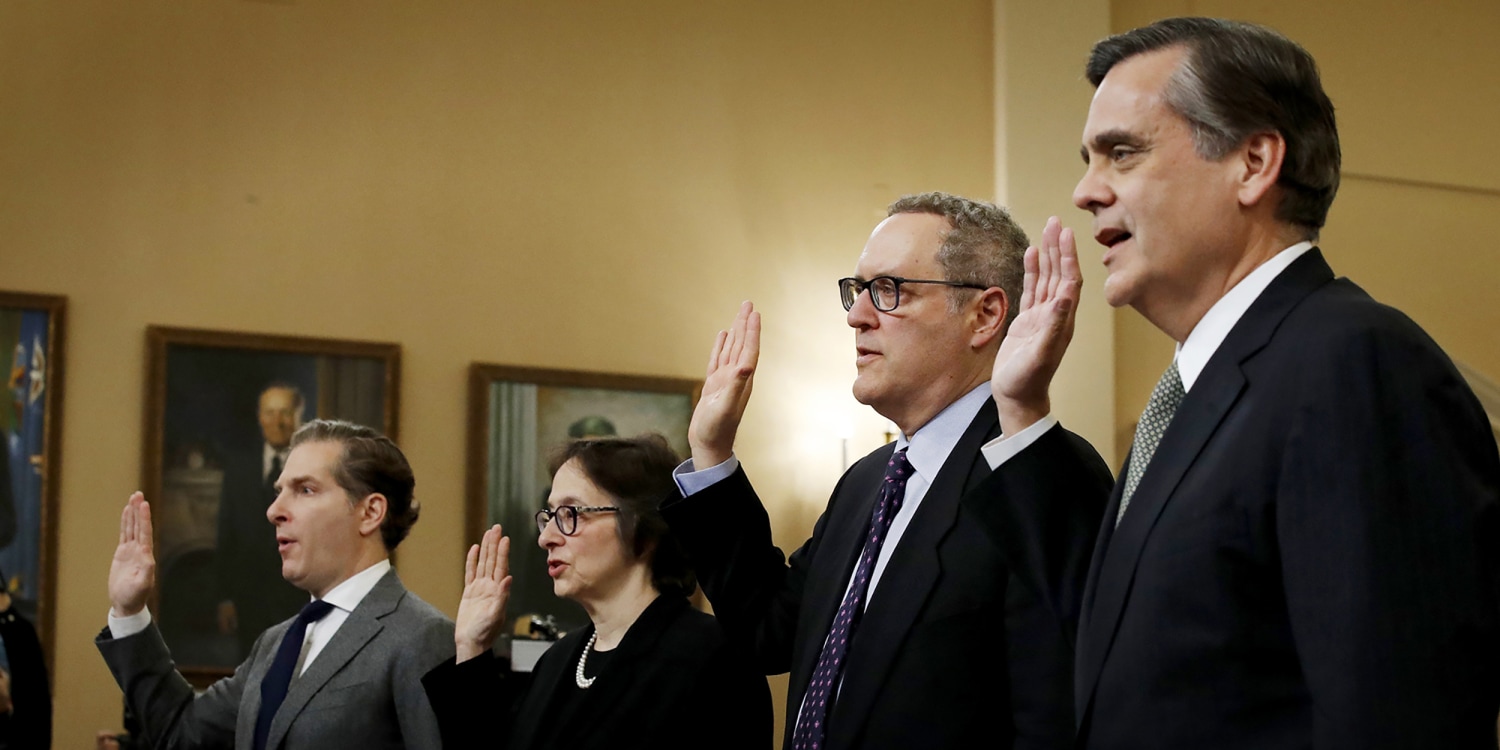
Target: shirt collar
[
  {"x": 1193, "y": 354},
  {"x": 352, "y": 591},
  {"x": 928, "y": 449}
]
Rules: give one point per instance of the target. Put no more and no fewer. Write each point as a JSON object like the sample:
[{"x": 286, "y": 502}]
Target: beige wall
[
  {"x": 570, "y": 184},
  {"x": 1419, "y": 205},
  {"x": 584, "y": 186},
  {"x": 1040, "y": 105}
]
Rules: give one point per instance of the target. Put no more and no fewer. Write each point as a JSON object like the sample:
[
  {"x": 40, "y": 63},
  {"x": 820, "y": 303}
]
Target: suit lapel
[
  {"x": 362, "y": 625},
  {"x": 843, "y": 540},
  {"x": 908, "y": 580},
  {"x": 1215, "y": 392}
]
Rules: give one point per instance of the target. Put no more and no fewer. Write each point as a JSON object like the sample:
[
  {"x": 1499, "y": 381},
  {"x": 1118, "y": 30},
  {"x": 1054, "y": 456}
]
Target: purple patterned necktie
[{"x": 818, "y": 699}]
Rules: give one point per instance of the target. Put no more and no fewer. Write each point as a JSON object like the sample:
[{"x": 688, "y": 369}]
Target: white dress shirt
[
  {"x": 1193, "y": 354},
  {"x": 344, "y": 598}
]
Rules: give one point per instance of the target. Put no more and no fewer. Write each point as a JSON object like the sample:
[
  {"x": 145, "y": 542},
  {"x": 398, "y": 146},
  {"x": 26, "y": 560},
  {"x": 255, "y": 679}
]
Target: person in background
[
  {"x": 25, "y": 695},
  {"x": 346, "y": 671},
  {"x": 252, "y": 594},
  {"x": 649, "y": 671}
]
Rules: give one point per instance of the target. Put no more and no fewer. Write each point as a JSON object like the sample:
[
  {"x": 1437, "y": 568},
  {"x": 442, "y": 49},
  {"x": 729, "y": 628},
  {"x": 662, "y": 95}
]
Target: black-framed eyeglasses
[
  {"x": 566, "y": 516},
  {"x": 885, "y": 291}
]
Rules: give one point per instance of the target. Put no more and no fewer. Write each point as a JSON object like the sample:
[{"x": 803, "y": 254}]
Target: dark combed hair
[
  {"x": 637, "y": 473},
  {"x": 984, "y": 246},
  {"x": 370, "y": 463},
  {"x": 1239, "y": 79}
]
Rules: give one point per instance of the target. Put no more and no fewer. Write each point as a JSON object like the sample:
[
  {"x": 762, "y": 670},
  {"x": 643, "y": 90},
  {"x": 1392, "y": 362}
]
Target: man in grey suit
[{"x": 346, "y": 672}]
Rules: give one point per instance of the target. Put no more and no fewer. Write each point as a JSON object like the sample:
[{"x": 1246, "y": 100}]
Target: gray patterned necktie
[{"x": 1165, "y": 399}]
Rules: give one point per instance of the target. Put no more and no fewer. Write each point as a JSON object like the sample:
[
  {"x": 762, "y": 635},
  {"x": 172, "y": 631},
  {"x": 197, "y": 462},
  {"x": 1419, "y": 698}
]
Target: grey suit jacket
[{"x": 364, "y": 690}]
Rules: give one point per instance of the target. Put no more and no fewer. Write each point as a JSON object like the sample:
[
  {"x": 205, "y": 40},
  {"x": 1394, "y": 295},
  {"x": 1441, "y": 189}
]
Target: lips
[
  {"x": 555, "y": 567},
  {"x": 864, "y": 354},
  {"x": 283, "y": 543},
  {"x": 1110, "y": 237}
]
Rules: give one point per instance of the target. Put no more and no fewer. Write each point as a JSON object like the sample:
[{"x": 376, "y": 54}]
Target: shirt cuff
[
  {"x": 124, "y": 627},
  {"x": 1003, "y": 448},
  {"x": 691, "y": 481}
]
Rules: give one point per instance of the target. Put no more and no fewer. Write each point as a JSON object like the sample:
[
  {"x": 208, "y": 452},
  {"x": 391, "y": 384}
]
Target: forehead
[
  {"x": 1131, "y": 98},
  {"x": 572, "y": 486},
  {"x": 277, "y": 398},
  {"x": 904, "y": 245},
  {"x": 315, "y": 459}
]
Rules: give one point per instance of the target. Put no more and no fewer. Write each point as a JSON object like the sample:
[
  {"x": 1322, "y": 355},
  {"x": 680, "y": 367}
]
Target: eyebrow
[
  {"x": 279, "y": 486},
  {"x": 1102, "y": 142}
]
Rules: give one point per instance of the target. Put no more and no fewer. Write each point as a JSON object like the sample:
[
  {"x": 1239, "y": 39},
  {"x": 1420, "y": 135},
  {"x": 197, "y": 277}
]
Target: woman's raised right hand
[{"x": 481, "y": 612}]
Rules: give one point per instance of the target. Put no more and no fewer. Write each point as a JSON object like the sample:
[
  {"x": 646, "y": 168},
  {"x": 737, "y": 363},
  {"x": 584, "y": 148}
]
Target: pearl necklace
[{"x": 584, "y": 659}]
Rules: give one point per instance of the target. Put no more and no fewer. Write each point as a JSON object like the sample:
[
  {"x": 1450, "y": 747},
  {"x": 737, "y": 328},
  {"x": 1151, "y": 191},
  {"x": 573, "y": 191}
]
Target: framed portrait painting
[
  {"x": 31, "y": 336},
  {"x": 517, "y": 416},
  {"x": 220, "y": 410}
]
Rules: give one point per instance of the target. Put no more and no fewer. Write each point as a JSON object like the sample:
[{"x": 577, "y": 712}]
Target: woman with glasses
[{"x": 649, "y": 671}]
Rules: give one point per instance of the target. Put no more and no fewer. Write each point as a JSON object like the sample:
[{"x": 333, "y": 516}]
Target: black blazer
[
  {"x": 29, "y": 725},
  {"x": 950, "y": 652},
  {"x": 1310, "y": 559},
  {"x": 673, "y": 682}
]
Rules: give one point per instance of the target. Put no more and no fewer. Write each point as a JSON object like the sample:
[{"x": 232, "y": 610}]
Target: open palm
[
  {"x": 726, "y": 389},
  {"x": 132, "y": 573},
  {"x": 481, "y": 611},
  {"x": 1034, "y": 345}
]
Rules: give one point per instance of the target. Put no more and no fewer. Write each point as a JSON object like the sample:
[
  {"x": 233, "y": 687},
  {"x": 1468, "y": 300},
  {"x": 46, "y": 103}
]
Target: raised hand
[
  {"x": 1038, "y": 337},
  {"x": 481, "y": 611},
  {"x": 726, "y": 390},
  {"x": 132, "y": 573}
]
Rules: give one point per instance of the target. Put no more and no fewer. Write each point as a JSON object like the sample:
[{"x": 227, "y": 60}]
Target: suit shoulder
[
  {"x": 415, "y": 615},
  {"x": 1341, "y": 320}
]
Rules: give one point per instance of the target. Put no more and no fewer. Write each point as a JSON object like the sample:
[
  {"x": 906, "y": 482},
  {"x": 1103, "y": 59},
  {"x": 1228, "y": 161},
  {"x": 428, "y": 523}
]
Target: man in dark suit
[
  {"x": 346, "y": 672},
  {"x": 1301, "y": 551},
  {"x": 252, "y": 594},
  {"x": 901, "y": 625}
]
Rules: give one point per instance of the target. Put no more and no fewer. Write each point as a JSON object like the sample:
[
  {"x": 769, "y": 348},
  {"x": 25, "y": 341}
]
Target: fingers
[
  {"x": 471, "y": 563},
  {"x": 143, "y": 533},
  {"x": 502, "y": 574},
  {"x": 1046, "y": 282},
  {"x": 737, "y": 334},
  {"x": 713, "y": 356},
  {"x": 494, "y": 554},
  {"x": 750, "y": 352},
  {"x": 1071, "y": 277},
  {"x": 1028, "y": 281}
]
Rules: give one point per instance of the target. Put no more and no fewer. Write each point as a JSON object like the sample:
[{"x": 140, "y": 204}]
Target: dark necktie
[
  {"x": 818, "y": 700},
  {"x": 273, "y": 475},
  {"x": 279, "y": 677},
  {"x": 1165, "y": 399}
]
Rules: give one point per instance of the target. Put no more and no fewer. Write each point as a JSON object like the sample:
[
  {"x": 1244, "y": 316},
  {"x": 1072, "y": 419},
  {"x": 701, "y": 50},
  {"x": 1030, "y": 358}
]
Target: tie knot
[
  {"x": 898, "y": 469},
  {"x": 314, "y": 611}
]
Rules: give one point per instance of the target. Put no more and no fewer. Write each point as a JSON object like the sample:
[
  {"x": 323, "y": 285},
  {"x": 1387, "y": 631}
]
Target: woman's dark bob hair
[{"x": 637, "y": 473}]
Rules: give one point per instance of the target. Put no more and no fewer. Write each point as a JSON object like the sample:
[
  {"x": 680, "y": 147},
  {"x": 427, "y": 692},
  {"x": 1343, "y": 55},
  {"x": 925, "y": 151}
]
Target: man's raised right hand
[
  {"x": 133, "y": 571},
  {"x": 726, "y": 390}
]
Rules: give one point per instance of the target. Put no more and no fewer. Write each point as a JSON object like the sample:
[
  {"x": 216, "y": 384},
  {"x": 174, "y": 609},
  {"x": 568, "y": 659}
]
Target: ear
[
  {"x": 987, "y": 317},
  {"x": 1260, "y": 162},
  {"x": 371, "y": 512}
]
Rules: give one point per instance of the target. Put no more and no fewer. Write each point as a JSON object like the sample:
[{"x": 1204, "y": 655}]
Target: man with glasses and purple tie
[
  {"x": 900, "y": 622},
  {"x": 346, "y": 671}
]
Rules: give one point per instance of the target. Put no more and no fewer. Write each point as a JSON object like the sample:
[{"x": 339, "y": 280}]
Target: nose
[
  {"x": 549, "y": 537},
  {"x": 862, "y": 314},
  {"x": 1092, "y": 192},
  {"x": 276, "y": 511}
]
